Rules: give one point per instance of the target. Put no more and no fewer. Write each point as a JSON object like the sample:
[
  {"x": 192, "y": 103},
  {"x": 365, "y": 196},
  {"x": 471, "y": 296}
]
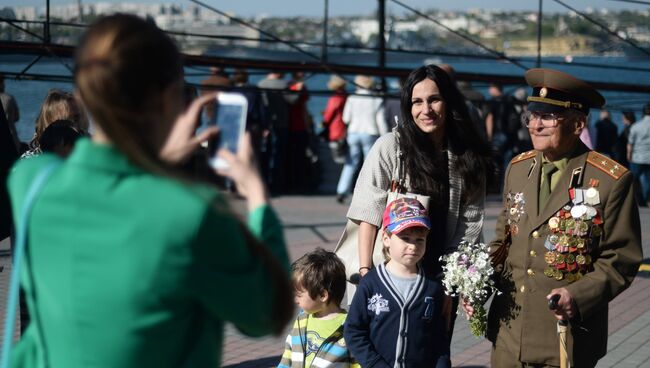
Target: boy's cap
[{"x": 403, "y": 213}]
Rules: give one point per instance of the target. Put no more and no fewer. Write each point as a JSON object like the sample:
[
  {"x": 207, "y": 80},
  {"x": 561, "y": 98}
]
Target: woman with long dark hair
[
  {"x": 128, "y": 263},
  {"x": 443, "y": 156}
]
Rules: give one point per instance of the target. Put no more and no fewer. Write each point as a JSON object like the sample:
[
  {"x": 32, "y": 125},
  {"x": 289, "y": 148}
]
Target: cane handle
[{"x": 552, "y": 303}]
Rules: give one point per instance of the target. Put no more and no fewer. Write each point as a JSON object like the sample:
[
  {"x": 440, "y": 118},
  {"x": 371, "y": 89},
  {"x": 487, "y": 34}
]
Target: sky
[{"x": 362, "y": 7}]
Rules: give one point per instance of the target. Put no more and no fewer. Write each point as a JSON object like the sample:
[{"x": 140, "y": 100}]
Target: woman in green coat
[{"x": 128, "y": 263}]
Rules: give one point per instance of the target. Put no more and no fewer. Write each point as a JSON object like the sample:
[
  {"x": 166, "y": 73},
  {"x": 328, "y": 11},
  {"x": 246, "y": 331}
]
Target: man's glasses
[{"x": 548, "y": 120}]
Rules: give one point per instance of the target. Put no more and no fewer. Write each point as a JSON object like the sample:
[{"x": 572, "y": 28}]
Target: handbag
[
  {"x": 19, "y": 252},
  {"x": 347, "y": 248}
]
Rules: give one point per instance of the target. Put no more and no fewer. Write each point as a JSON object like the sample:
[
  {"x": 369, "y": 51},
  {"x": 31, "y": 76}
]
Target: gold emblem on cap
[{"x": 543, "y": 92}]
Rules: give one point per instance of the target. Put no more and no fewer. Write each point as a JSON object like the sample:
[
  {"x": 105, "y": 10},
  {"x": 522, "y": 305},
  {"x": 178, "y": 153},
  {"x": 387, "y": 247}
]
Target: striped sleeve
[{"x": 285, "y": 362}]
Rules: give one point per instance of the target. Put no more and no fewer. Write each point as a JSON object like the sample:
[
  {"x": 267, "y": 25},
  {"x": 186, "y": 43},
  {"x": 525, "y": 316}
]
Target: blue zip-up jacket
[{"x": 385, "y": 331}]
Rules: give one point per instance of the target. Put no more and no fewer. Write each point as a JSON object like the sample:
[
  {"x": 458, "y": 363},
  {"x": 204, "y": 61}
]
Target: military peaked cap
[{"x": 555, "y": 91}]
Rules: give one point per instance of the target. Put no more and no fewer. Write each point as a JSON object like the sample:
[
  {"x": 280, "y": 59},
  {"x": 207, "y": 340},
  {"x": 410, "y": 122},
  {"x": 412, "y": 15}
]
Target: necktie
[{"x": 545, "y": 189}]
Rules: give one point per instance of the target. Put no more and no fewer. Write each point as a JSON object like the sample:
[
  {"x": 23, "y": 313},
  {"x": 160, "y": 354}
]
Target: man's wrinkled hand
[{"x": 566, "y": 307}]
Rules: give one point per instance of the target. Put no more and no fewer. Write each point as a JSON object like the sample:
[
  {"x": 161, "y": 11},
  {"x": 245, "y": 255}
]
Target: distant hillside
[{"x": 552, "y": 46}]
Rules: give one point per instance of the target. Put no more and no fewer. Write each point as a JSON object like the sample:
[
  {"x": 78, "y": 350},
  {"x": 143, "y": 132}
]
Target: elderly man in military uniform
[{"x": 569, "y": 227}]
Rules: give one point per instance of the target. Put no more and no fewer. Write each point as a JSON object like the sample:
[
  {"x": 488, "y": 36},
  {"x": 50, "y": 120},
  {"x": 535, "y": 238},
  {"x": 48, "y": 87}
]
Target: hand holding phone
[
  {"x": 182, "y": 139},
  {"x": 242, "y": 170},
  {"x": 231, "y": 111}
]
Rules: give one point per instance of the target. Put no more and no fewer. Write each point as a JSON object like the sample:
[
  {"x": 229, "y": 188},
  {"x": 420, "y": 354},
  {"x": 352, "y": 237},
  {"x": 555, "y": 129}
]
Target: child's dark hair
[
  {"x": 61, "y": 133},
  {"x": 320, "y": 271}
]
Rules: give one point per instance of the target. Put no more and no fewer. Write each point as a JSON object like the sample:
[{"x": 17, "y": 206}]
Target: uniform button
[
  {"x": 533, "y": 253},
  {"x": 535, "y": 234},
  {"x": 530, "y": 272},
  {"x": 522, "y": 288}
]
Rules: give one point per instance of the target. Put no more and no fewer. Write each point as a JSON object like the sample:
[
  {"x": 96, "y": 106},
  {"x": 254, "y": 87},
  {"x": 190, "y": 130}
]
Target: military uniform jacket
[{"x": 519, "y": 320}]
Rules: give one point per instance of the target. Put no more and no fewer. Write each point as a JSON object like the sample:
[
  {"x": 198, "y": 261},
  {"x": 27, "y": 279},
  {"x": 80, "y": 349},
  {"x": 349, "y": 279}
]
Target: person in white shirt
[{"x": 364, "y": 116}]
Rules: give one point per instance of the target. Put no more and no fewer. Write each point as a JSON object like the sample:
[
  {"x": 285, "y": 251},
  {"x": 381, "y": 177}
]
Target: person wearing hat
[
  {"x": 333, "y": 118},
  {"x": 569, "y": 228},
  {"x": 364, "y": 116},
  {"x": 397, "y": 304}
]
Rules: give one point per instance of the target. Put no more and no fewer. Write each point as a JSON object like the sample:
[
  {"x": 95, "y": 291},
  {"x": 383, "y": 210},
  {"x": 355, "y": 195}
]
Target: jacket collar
[
  {"x": 100, "y": 156},
  {"x": 560, "y": 194}
]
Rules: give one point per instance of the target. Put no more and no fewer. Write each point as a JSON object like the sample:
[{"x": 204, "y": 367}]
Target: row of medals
[{"x": 568, "y": 245}]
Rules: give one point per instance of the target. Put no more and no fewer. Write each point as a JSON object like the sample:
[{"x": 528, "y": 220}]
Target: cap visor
[{"x": 401, "y": 226}]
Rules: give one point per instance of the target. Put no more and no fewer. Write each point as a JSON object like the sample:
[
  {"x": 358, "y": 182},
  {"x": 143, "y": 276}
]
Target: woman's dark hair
[
  {"x": 122, "y": 66},
  {"x": 58, "y": 105},
  {"x": 61, "y": 133},
  {"x": 424, "y": 162},
  {"x": 630, "y": 116}
]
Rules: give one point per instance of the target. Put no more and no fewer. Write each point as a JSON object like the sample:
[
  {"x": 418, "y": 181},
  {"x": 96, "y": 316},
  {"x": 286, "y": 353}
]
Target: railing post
[
  {"x": 538, "y": 64},
  {"x": 323, "y": 51},
  {"x": 46, "y": 30},
  {"x": 381, "y": 14}
]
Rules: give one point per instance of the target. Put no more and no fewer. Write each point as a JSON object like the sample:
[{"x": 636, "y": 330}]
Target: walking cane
[{"x": 561, "y": 332}]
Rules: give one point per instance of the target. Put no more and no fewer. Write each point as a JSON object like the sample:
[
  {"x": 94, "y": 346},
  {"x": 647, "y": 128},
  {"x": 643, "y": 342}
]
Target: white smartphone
[{"x": 231, "y": 111}]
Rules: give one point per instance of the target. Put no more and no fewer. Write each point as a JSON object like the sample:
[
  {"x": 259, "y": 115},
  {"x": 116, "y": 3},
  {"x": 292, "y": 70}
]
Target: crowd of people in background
[{"x": 285, "y": 136}]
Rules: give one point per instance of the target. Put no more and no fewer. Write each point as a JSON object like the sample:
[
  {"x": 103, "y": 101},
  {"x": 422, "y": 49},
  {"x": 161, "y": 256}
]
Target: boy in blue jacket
[{"x": 396, "y": 317}]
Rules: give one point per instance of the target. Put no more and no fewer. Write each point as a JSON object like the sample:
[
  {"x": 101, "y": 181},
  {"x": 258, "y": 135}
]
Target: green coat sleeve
[
  {"x": 21, "y": 177},
  {"x": 231, "y": 282},
  {"x": 265, "y": 225}
]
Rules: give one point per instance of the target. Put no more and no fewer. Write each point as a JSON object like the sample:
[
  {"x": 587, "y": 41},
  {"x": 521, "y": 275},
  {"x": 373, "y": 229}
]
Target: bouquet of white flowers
[{"x": 468, "y": 273}]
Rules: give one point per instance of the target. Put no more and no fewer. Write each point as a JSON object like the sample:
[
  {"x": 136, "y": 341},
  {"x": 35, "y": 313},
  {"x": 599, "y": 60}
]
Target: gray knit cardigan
[{"x": 464, "y": 220}]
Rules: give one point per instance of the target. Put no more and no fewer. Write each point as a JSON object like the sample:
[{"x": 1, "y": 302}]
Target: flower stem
[{"x": 478, "y": 322}]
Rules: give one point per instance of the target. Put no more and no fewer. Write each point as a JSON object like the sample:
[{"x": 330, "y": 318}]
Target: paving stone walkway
[{"x": 317, "y": 221}]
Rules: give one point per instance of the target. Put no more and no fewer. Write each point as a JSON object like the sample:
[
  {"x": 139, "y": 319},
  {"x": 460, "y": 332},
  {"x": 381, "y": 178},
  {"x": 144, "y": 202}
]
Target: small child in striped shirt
[{"x": 316, "y": 339}]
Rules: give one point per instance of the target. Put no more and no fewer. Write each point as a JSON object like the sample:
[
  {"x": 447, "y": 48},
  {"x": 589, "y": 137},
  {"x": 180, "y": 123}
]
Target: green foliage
[{"x": 478, "y": 322}]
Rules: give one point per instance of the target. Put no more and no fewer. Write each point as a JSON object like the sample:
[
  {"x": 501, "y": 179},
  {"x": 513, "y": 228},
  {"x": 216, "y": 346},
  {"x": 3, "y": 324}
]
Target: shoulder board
[
  {"x": 523, "y": 156},
  {"x": 606, "y": 165}
]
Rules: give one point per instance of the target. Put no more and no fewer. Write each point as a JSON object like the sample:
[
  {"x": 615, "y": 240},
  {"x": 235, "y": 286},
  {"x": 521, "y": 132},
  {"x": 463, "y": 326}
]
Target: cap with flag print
[{"x": 403, "y": 213}]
